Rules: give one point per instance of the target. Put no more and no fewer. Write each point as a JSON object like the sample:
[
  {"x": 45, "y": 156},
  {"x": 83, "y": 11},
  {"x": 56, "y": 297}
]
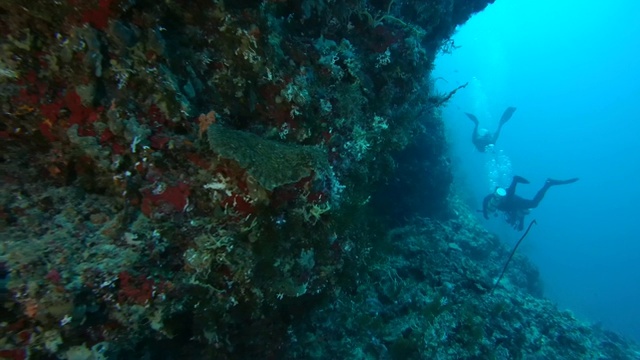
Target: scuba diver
[
  {"x": 482, "y": 138},
  {"x": 513, "y": 206}
]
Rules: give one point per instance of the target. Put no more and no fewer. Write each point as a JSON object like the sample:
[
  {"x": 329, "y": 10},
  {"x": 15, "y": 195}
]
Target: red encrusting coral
[
  {"x": 98, "y": 17},
  {"x": 159, "y": 141},
  {"x": 78, "y": 114},
  {"x": 54, "y": 276},
  {"x": 138, "y": 290},
  {"x": 13, "y": 354},
  {"x": 173, "y": 199}
]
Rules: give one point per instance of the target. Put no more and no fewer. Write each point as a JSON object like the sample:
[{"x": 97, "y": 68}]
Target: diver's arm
[{"x": 485, "y": 205}]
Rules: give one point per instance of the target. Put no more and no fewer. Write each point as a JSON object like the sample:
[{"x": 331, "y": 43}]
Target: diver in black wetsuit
[
  {"x": 482, "y": 138},
  {"x": 513, "y": 206}
]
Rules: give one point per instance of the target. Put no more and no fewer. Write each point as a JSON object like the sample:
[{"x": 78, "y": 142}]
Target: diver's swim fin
[
  {"x": 520, "y": 179},
  {"x": 561, "y": 182},
  {"x": 507, "y": 115},
  {"x": 473, "y": 118}
]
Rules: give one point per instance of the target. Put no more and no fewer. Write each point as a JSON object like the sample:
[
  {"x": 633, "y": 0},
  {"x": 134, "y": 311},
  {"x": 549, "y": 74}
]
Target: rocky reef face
[{"x": 211, "y": 179}]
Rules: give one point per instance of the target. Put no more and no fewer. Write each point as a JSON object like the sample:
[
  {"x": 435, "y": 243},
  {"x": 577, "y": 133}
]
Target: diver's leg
[
  {"x": 540, "y": 194},
  {"x": 505, "y": 117},
  {"x": 476, "y": 123},
  {"x": 476, "y": 139},
  {"x": 562, "y": 182},
  {"x": 495, "y": 136},
  {"x": 549, "y": 183},
  {"x": 473, "y": 118},
  {"x": 512, "y": 188}
]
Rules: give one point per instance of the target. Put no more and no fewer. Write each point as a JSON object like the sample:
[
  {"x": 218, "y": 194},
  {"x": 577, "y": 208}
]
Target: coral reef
[
  {"x": 229, "y": 179},
  {"x": 429, "y": 297}
]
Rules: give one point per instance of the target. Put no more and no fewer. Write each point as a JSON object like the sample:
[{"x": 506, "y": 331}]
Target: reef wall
[{"x": 201, "y": 179}]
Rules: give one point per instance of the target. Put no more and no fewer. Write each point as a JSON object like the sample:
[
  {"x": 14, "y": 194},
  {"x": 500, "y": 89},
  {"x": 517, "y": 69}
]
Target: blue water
[{"x": 572, "y": 69}]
